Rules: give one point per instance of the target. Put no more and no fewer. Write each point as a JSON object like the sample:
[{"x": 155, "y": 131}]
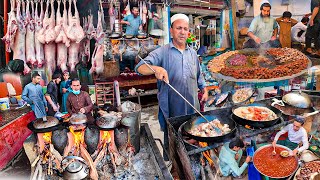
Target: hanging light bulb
[{"x": 209, "y": 5}]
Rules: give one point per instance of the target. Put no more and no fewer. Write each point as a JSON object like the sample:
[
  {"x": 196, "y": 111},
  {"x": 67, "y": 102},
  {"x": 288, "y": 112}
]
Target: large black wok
[
  {"x": 61, "y": 125},
  {"x": 194, "y": 122},
  {"x": 256, "y": 124}
]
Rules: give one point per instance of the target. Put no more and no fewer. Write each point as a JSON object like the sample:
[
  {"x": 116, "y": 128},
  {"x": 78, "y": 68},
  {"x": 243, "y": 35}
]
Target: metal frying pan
[
  {"x": 43, "y": 130},
  {"x": 194, "y": 122},
  {"x": 256, "y": 124},
  {"x": 298, "y": 102},
  {"x": 253, "y": 90}
]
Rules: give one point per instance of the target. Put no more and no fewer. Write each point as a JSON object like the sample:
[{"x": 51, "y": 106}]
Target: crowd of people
[
  {"x": 266, "y": 31},
  {"x": 73, "y": 99}
]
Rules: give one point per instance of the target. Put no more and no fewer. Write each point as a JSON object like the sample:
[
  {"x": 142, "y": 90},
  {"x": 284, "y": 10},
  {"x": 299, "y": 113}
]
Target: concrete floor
[{"x": 19, "y": 169}]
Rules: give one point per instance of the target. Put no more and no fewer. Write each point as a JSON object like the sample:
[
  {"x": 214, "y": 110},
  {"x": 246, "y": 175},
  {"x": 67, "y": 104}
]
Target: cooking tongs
[{"x": 215, "y": 128}]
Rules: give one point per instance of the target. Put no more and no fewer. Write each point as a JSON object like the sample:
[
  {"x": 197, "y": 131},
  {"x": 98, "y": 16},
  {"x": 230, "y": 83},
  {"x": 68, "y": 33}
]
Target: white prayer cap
[
  {"x": 179, "y": 16},
  {"x": 264, "y": 1},
  {"x": 156, "y": 15}
]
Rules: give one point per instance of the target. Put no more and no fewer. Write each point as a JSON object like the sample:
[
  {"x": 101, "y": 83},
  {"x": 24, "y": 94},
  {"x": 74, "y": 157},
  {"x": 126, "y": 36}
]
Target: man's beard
[{"x": 265, "y": 18}]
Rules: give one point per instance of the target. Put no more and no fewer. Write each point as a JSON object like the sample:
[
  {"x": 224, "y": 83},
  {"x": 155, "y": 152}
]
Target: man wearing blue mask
[{"x": 79, "y": 101}]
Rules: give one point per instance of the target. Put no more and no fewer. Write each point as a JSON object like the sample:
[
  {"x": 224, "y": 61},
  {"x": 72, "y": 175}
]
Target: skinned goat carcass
[
  {"x": 45, "y": 24},
  {"x": 74, "y": 31},
  {"x": 73, "y": 58},
  {"x": 38, "y": 26},
  {"x": 30, "y": 35},
  {"x": 91, "y": 31},
  {"x": 11, "y": 28},
  {"x": 97, "y": 56},
  {"x": 19, "y": 46},
  {"x": 144, "y": 13},
  {"x": 112, "y": 14},
  {"x": 50, "y": 46},
  {"x": 62, "y": 40},
  {"x": 50, "y": 33}
]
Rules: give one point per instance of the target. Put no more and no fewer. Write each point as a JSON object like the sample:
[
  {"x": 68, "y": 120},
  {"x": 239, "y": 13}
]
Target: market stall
[{"x": 195, "y": 160}]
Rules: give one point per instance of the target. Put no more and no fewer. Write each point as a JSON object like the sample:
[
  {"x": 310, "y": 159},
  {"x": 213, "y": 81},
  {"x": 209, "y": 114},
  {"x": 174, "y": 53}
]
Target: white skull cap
[
  {"x": 264, "y": 1},
  {"x": 179, "y": 16}
]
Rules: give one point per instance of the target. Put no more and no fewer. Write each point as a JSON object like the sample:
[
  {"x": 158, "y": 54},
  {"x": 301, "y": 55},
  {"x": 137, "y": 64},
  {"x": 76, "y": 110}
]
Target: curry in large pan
[
  {"x": 256, "y": 115},
  {"x": 219, "y": 129}
]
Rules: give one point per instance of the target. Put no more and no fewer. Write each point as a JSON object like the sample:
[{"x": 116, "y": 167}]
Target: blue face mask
[{"x": 76, "y": 92}]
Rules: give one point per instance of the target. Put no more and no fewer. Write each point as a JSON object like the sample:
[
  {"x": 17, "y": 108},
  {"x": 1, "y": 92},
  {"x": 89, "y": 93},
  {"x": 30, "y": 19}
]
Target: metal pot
[
  {"x": 267, "y": 146},
  {"x": 78, "y": 169},
  {"x": 156, "y": 33},
  {"x": 77, "y": 119},
  {"x": 115, "y": 36},
  {"x": 256, "y": 124},
  {"x": 194, "y": 122},
  {"x": 142, "y": 35},
  {"x": 107, "y": 122}
]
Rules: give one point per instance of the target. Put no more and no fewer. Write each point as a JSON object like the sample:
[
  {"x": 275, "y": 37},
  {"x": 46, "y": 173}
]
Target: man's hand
[
  {"x": 273, "y": 38},
  {"x": 295, "y": 152},
  {"x": 128, "y": 24},
  {"x": 257, "y": 40},
  {"x": 205, "y": 95},
  {"x": 248, "y": 159},
  {"x": 236, "y": 156},
  {"x": 161, "y": 74},
  {"x": 82, "y": 110},
  {"x": 46, "y": 109},
  {"x": 55, "y": 108},
  {"x": 64, "y": 90},
  {"x": 311, "y": 22},
  {"x": 140, "y": 28}
]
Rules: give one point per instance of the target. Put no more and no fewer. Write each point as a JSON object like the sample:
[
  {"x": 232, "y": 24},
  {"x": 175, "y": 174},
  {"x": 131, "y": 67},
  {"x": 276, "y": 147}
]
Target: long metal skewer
[{"x": 176, "y": 92}]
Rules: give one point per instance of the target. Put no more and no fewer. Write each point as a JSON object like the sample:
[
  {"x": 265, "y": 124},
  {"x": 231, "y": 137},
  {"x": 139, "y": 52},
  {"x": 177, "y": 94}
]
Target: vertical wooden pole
[
  {"x": 5, "y": 14},
  {"x": 234, "y": 26}
]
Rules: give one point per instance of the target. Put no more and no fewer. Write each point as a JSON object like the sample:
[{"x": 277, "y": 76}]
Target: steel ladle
[
  {"x": 274, "y": 151},
  {"x": 215, "y": 128}
]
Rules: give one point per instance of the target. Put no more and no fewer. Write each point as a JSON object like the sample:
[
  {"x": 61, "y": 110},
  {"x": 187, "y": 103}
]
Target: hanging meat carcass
[
  {"x": 91, "y": 31},
  {"x": 97, "y": 56},
  {"x": 19, "y": 46},
  {"x": 30, "y": 35},
  {"x": 75, "y": 31},
  {"x": 144, "y": 13},
  {"x": 62, "y": 40},
  {"x": 50, "y": 36},
  {"x": 112, "y": 14},
  {"x": 11, "y": 28},
  {"x": 38, "y": 26}
]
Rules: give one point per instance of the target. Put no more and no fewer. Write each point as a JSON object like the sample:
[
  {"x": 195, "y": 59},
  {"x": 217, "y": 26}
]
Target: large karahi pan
[
  {"x": 266, "y": 146},
  {"x": 194, "y": 122},
  {"x": 256, "y": 124},
  {"x": 54, "y": 127},
  {"x": 298, "y": 101}
]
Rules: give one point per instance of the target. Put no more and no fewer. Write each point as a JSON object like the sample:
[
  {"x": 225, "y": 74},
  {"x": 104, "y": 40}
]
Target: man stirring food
[
  {"x": 296, "y": 134},
  {"x": 177, "y": 64},
  {"x": 79, "y": 101}
]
